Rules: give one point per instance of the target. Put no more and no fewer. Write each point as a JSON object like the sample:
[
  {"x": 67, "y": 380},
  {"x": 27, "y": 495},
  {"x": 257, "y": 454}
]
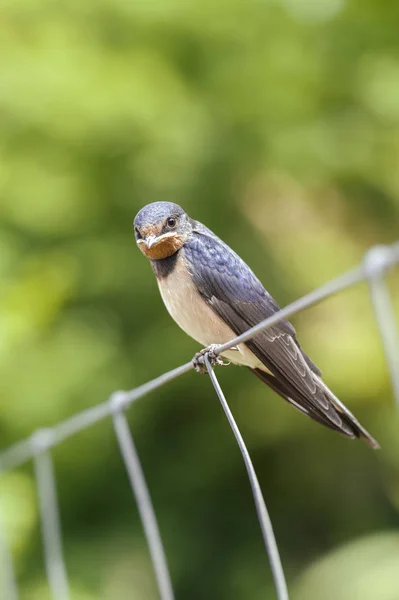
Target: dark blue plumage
[{"x": 213, "y": 264}]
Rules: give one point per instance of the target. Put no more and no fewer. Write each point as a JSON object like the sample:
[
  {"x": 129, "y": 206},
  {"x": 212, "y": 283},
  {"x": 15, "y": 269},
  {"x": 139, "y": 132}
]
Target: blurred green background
[{"x": 276, "y": 124}]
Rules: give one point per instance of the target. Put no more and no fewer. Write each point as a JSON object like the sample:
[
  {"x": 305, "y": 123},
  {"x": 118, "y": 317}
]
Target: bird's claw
[{"x": 214, "y": 359}]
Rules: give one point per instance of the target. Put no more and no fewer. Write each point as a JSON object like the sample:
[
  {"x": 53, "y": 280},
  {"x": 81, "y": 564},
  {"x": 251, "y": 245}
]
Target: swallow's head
[{"x": 161, "y": 228}]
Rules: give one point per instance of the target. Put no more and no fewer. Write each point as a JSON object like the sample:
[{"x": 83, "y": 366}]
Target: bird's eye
[
  {"x": 136, "y": 229},
  {"x": 171, "y": 222}
]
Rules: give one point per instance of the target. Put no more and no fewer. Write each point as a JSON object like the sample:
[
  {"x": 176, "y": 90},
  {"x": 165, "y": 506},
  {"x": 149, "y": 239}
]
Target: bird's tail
[
  {"x": 346, "y": 414},
  {"x": 348, "y": 425}
]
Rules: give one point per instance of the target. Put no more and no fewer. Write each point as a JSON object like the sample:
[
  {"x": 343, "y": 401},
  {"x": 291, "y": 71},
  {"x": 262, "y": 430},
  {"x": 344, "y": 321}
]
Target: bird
[{"x": 214, "y": 296}]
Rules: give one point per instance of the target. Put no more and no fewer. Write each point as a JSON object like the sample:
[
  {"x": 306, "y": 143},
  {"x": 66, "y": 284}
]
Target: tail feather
[
  {"x": 345, "y": 424},
  {"x": 349, "y": 417}
]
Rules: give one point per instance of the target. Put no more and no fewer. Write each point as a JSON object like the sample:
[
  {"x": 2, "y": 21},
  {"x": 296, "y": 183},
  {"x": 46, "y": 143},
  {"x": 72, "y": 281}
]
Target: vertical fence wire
[
  {"x": 8, "y": 580},
  {"x": 384, "y": 312},
  {"x": 49, "y": 519},
  {"x": 144, "y": 504},
  {"x": 261, "y": 509}
]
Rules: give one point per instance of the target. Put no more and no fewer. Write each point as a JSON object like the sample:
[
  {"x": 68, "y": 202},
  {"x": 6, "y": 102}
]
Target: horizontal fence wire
[{"x": 377, "y": 261}]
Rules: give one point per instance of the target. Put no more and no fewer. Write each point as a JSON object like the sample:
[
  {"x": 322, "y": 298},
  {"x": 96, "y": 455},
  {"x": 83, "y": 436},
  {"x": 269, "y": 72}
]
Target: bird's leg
[{"x": 199, "y": 359}]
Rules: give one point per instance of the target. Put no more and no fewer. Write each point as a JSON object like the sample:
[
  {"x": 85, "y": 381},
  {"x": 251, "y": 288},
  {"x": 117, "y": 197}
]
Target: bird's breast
[
  {"x": 191, "y": 312},
  {"x": 189, "y": 309}
]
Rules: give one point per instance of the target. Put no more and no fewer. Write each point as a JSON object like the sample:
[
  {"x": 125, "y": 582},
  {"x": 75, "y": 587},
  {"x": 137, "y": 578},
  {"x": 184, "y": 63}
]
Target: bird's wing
[{"x": 232, "y": 290}]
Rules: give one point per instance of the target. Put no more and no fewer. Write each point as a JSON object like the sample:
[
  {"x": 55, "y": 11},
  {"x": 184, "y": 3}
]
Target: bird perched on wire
[{"x": 213, "y": 295}]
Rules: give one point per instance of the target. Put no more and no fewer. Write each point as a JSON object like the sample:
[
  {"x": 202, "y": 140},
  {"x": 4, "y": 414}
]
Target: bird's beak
[
  {"x": 151, "y": 240},
  {"x": 161, "y": 245}
]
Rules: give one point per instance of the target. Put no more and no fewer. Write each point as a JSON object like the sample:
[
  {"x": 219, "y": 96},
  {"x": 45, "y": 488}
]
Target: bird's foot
[{"x": 214, "y": 359}]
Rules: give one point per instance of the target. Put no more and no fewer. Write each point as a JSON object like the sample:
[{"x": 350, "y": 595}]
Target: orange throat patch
[{"x": 164, "y": 246}]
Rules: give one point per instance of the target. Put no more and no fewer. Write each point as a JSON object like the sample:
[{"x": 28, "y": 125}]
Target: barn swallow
[{"x": 213, "y": 295}]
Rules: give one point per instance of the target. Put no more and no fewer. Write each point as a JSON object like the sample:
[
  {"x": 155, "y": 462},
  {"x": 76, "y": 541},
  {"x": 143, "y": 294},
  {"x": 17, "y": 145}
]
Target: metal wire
[
  {"x": 20, "y": 453},
  {"x": 49, "y": 518},
  {"x": 8, "y": 580},
  {"x": 373, "y": 269},
  {"x": 263, "y": 514},
  {"x": 375, "y": 261},
  {"x": 144, "y": 504}
]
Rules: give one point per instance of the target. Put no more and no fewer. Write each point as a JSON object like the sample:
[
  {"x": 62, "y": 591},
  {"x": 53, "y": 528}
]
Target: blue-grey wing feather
[{"x": 234, "y": 292}]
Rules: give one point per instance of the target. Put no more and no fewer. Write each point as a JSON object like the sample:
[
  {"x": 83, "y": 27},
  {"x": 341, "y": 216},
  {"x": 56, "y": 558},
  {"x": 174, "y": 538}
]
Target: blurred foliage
[{"x": 277, "y": 124}]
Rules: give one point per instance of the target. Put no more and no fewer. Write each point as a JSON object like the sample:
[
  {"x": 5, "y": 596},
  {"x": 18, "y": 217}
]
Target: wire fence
[{"x": 377, "y": 261}]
